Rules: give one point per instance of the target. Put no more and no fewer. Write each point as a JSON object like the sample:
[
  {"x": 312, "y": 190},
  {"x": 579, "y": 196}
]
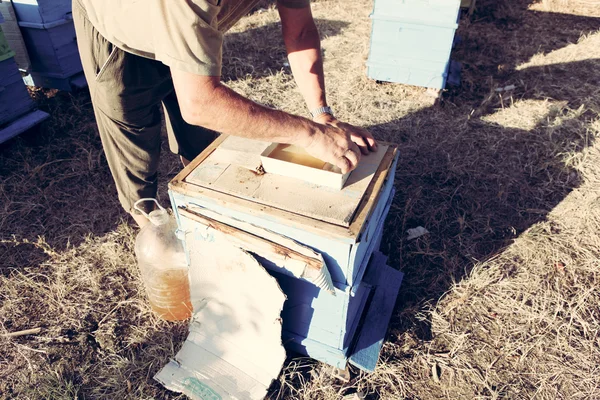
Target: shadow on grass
[
  {"x": 478, "y": 185},
  {"x": 54, "y": 183}
]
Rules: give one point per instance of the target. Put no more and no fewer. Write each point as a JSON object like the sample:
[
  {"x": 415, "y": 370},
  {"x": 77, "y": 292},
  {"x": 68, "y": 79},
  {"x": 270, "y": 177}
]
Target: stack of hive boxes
[
  {"x": 411, "y": 41},
  {"x": 15, "y": 103},
  {"x": 49, "y": 34},
  {"x": 344, "y": 324},
  {"x": 12, "y": 34}
]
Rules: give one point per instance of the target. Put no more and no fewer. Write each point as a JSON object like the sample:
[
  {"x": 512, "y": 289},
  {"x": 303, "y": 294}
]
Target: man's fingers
[
  {"x": 353, "y": 156},
  {"x": 361, "y": 143},
  {"x": 371, "y": 141},
  {"x": 368, "y": 138},
  {"x": 356, "y": 151},
  {"x": 344, "y": 164}
]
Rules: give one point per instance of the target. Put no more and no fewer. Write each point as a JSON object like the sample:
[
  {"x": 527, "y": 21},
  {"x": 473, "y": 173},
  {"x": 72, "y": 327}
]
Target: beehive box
[
  {"x": 49, "y": 34},
  {"x": 411, "y": 41},
  {"x": 16, "y": 115},
  {"x": 13, "y": 36},
  {"x": 16, "y": 107},
  {"x": 42, "y": 11},
  {"x": 52, "y": 48},
  {"x": 224, "y": 190},
  {"x": 14, "y": 98}
]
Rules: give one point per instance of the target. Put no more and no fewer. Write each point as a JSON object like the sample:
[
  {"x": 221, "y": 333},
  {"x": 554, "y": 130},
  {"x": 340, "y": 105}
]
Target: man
[{"x": 139, "y": 54}]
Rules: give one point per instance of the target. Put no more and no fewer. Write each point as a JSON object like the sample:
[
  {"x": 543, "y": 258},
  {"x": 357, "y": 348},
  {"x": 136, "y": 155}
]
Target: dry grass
[{"x": 500, "y": 300}]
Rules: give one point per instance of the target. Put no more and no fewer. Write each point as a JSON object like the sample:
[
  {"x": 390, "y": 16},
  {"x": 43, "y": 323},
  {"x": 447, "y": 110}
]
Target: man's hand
[
  {"x": 358, "y": 135},
  {"x": 204, "y": 101},
  {"x": 334, "y": 145}
]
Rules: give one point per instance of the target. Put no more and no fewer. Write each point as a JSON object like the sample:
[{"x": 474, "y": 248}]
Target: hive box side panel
[
  {"x": 407, "y": 76},
  {"x": 421, "y": 43},
  {"x": 14, "y": 97},
  {"x": 361, "y": 251},
  {"x": 335, "y": 253},
  {"x": 21, "y": 124},
  {"x": 364, "y": 252},
  {"x": 53, "y": 51},
  {"x": 356, "y": 308},
  {"x": 314, "y": 313},
  {"x": 317, "y": 350}
]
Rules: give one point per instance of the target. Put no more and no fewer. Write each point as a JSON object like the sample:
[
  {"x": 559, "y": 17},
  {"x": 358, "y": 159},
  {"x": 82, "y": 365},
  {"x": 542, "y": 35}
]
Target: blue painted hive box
[
  {"x": 14, "y": 98},
  {"x": 321, "y": 244},
  {"x": 49, "y": 35},
  {"x": 411, "y": 41},
  {"x": 42, "y": 11}
]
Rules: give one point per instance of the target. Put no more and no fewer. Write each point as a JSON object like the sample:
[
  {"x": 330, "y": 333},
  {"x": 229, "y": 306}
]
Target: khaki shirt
[{"x": 186, "y": 35}]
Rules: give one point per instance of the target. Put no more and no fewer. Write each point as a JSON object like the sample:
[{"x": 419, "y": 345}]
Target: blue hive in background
[
  {"x": 16, "y": 106},
  {"x": 411, "y": 41},
  {"x": 49, "y": 34}
]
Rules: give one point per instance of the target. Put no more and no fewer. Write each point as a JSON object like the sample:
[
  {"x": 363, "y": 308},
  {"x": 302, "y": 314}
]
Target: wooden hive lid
[{"x": 228, "y": 172}]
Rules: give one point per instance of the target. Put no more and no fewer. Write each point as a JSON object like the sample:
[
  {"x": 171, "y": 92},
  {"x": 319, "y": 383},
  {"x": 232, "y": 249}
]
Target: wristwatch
[{"x": 321, "y": 110}]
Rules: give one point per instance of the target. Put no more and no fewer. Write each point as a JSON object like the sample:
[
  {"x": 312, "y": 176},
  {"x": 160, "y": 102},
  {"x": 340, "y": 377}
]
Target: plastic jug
[{"x": 163, "y": 265}]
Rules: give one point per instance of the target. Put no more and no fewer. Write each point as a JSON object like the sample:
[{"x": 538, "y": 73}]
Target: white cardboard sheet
[{"x": 233, "y": 350}]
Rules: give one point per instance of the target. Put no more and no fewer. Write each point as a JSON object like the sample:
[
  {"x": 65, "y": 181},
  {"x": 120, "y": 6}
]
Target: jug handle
[{"x": 135, "y": 205}]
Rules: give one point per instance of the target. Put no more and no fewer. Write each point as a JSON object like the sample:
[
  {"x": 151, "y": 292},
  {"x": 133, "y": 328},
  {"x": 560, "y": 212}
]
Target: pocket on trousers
[{"x": 107, "y": 62}]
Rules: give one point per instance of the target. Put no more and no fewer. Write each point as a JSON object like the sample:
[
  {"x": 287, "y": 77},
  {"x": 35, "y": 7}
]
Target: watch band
[{"x": 321, "y": 110}]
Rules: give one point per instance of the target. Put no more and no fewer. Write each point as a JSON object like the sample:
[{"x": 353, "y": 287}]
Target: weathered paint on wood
[
  {"x": 359, "y": 255},
  {"x": 371, "y": 197},
  {"x": 364, "y": 250},
  {"x": 292, "y": 258},
  {"x": 318, "y": 315},
  {"x": 317, "y": 350},
  {"x": 432, "y": 12},
  {"x": 361, "y": 293},
  {"x": 336, "y": 253}
]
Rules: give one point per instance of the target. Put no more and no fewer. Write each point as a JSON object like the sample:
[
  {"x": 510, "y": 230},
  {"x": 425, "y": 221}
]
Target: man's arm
[
  {"x": 303, "y": 46},
  {"x": 204, "y": 101}
]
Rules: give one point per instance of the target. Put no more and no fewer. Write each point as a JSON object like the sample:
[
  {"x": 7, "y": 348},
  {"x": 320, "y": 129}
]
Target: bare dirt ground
[{"x": 500, "y": 299}]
